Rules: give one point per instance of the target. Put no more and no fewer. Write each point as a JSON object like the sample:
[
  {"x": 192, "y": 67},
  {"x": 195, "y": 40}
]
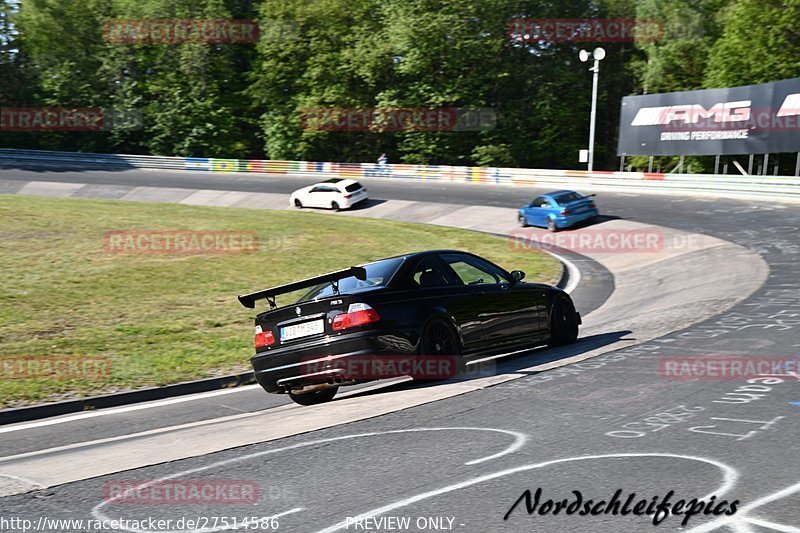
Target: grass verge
[{"x": 162, "y": 318}]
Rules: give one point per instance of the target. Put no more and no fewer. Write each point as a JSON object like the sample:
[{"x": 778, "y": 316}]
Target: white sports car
[{"x": 333, "y": 194}]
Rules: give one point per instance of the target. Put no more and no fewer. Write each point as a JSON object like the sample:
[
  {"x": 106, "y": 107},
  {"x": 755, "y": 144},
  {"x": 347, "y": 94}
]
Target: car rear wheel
[
  {"x": 298, "y": 204},
  {"x": 440, "y": 339},
  {"x": 551, "y": 225},
  {"x": 315, "y": 397},
  {"x": 563, "y": 322},
  {"x": 335, "y": 206}
]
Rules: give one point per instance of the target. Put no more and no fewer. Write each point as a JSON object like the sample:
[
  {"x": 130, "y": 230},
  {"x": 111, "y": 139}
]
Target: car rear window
[
  {"x": 353, "y": 187},
  {"x": 567, "y": 198},
  {"x": 378, "y": 274}
]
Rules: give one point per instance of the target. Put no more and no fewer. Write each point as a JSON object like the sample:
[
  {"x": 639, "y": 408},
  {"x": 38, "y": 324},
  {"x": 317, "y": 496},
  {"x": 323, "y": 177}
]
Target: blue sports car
[{"x": 558, "y": 210}]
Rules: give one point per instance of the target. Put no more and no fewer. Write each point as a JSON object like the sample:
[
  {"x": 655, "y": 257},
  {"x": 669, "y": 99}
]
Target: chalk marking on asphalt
[
  {"x": 741, "y": 516},
  {"x": 730, "y": 476},
  {"x": 519, "y": 440},
  {"x": 117, "y": 410}
]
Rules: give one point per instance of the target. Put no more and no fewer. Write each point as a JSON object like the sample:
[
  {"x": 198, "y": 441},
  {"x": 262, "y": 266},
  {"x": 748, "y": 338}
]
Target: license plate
[{"x": 305, "y": 329}]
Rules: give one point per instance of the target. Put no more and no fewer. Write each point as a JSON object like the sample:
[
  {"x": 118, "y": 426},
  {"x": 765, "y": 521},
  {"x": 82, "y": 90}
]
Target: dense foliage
[{"x": 247, "y": 99}]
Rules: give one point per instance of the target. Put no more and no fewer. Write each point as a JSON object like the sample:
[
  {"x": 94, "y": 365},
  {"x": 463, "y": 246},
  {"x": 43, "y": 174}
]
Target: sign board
[{"x": 753, "y": 119}]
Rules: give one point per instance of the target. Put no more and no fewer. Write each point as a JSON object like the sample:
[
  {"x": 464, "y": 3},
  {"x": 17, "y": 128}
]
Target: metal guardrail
[
  {"x": 76, "y": 158},
  {"x": 735, "y": 186}
]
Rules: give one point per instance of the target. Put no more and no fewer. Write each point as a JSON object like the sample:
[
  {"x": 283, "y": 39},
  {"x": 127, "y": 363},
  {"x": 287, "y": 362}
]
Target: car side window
[
  {"x": 428, "y": 273},
  {"x": 474, "y": 271},
  {"x": 540, "y": 202}
]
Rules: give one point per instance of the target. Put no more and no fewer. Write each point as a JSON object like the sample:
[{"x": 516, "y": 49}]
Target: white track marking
[
  {"x": 730, "y": 476},
  {"x": 519, "y": 441},
  {"x": 741, "y": 516},
  {"x": 504, "y": 355},
  {"x": 30, "y": 482},
  {"x": 573, "y": 272},
  {"x": 130, "y": 436},
  {"x": 377, "y": 386},
  {"x": 772, "y": 525},
  {"x": 126, "y": 409}
]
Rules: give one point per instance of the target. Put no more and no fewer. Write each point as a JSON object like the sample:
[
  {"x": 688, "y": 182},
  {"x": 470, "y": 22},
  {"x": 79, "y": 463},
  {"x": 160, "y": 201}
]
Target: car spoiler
[{"x": 249, "y": 300}]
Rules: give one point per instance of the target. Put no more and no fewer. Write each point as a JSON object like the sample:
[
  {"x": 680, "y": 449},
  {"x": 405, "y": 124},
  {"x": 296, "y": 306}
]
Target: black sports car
[{"x": 409, "y": 314}]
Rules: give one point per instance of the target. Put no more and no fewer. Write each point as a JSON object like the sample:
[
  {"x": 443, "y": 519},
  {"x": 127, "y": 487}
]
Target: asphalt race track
[{"x": 596, "y": 417}]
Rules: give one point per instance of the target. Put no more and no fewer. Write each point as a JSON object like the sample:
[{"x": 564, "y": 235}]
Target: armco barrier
[
  {"x": 41, "y": 157},
  {"x": 781, "y": 188}
]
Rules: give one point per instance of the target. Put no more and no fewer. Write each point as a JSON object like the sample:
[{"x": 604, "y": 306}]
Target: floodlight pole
[
  {"x": 584, "y": 56},
  {"x": 596, "y": 71}
]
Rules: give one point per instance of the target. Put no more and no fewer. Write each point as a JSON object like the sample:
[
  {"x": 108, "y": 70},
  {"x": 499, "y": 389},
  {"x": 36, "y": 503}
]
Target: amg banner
[{"x": 753, "y": 119}]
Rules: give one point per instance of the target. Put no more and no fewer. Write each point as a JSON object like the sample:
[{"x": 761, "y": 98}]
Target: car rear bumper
[
  {"x": 350, "y": 202},
  {"x": 571, "y": 220},
  {"x": 321, "y": 362}
]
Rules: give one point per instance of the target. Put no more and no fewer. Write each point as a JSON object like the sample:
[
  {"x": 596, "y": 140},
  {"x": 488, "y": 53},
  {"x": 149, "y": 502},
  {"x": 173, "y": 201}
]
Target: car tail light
[
  {"x": 591, "y": 205},
  {"x": 565, "y": 211},
  {"x": 357, "y": 314},
  {"x": 346, "y": 196},
  {"x": 264, "y": 338}
]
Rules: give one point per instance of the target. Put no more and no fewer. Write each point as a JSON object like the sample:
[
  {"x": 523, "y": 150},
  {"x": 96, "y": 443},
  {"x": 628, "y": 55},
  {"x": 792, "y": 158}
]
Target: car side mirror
[{"x": 517, "y": 276}]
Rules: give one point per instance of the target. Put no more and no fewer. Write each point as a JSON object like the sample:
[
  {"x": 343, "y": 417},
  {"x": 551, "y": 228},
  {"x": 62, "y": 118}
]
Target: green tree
[
  {"x": 760, "y": 43},
  {"x": 676, "y": 61}
]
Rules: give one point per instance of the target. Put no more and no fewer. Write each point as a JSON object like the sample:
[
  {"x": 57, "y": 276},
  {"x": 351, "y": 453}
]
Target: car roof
[
  {"x": 336, "y": 181},
  {"x": 412, "y": 255},
  {"x": 558, "y": 193}
]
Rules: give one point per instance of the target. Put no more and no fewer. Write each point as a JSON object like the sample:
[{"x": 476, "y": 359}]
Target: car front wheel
[
  {"x": 298, "y": 204},
  {"x": 563, "y": 322}
]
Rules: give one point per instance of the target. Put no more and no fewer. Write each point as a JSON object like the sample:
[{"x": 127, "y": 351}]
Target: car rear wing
[{"x": 249, "y": 300}]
